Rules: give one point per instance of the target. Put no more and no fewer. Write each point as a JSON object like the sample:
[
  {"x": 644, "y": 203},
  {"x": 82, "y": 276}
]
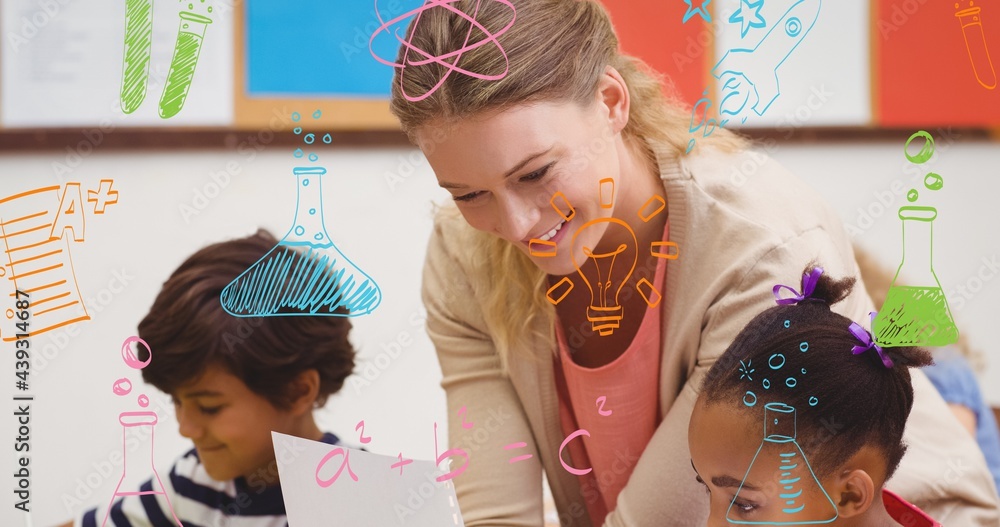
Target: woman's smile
[{"x": 552, "y": 235}]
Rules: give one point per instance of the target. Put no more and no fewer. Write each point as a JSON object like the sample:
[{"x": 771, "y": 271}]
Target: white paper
[
  {"x": 62, "y": 65},
  {"x": 382, "y": 495},
  {"x": 822, "y": 77}
]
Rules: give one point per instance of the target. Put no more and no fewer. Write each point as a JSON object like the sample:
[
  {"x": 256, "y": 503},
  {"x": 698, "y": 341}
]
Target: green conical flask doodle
[{"x": 915, "y": 312}]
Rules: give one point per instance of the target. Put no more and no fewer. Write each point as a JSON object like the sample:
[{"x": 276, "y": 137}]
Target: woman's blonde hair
[{"x": 557, "y": 50}]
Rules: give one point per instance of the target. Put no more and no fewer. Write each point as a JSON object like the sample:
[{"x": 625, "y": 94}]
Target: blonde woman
[{"x": 605, "y": 416}]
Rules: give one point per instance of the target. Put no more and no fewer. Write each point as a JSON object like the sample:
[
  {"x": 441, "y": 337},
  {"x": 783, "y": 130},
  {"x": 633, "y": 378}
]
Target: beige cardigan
[{"x": 740, "y": 231}]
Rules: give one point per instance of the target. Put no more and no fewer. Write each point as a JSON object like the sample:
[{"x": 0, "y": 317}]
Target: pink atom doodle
[{"x": 427, "y": 58}]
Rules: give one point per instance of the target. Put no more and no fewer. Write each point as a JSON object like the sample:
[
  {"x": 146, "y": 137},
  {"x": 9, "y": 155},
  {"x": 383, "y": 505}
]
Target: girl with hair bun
[
  {"x": 800, "y": 359},
  {"x": 562, "y": 149}
]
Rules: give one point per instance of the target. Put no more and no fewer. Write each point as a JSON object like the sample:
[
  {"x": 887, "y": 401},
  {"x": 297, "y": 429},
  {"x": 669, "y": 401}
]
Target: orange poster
[
  {"x": 655, "y": 31},
  {"x": 936, "y": 63}
]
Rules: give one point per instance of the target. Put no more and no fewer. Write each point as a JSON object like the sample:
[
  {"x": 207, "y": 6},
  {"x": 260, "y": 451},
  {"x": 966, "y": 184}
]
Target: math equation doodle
[
  {"x": 320, "y": 481},
  {"x": 38, "y": 228}
]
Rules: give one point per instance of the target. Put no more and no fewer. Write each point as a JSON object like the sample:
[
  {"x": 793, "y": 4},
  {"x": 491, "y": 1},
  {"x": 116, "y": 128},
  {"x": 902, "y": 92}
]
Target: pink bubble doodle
[
  {"x": 122, "y": 387},
  {"x": 143, "y": 401},
  {"x": 427, "y": 58},
  {"x": 129, "y": 357}
]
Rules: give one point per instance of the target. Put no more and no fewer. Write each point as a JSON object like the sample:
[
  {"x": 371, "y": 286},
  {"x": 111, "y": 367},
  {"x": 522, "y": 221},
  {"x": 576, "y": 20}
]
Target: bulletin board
[
  {"x": 338, "y": 76},
  {"x": 860, "y": 65},
  {"x": 937, "y": 63}
]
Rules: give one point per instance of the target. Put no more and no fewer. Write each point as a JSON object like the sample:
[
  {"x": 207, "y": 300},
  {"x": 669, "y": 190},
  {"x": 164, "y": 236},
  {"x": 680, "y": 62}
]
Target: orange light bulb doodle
[{"x": 606, "y": 273}]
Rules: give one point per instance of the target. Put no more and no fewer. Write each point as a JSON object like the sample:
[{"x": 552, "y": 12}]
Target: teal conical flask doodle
[
  {"x": 915, "y": 312},
  {"x": 305, "y": 274},
  {"x": 780, "y": 460},
  {"x": 186, "y": 52}
]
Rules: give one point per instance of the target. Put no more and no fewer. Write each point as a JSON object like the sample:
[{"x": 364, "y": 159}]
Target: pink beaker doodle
[
  {"x": 424, "y": 57},
  {"x": 975, "y": 43},
  {"x": 139, "y": 426}
]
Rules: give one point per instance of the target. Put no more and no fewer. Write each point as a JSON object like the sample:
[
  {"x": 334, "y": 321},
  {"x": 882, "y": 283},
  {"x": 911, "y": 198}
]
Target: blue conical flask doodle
[
  {"x": 305, "y": 274},
  {"x": 794, "y": 478}
]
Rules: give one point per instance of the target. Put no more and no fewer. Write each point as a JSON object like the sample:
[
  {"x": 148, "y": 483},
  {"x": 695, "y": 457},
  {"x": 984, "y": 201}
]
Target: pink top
[
  {"x": 906, "y": 513},
  {"x": 618, "y": 404}
]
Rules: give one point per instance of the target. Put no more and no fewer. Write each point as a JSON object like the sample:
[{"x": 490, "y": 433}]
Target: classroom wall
[{"x": 377, "y": 205}]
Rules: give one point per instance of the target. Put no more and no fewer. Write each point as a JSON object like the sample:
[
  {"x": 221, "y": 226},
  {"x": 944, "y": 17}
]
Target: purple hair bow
[
  {"x": 809, "y": 281},
  {"x": 868, "y": 341}
]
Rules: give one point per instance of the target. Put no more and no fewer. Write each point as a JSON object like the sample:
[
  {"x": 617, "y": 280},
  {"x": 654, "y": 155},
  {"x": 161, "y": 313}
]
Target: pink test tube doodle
[
  {"x": 139, "y": 425},
  {"x": 975, "y": 43},
  {"x": 424, "y": 57}
]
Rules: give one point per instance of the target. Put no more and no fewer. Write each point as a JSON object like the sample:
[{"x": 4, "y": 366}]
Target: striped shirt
[{"x": 198, "y": 501}]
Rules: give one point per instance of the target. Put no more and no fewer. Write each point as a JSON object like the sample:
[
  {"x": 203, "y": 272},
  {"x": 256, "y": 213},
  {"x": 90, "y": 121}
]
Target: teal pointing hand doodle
[
  {"x": 186, "y": 52},
  {"x": 138, "y": 41}
]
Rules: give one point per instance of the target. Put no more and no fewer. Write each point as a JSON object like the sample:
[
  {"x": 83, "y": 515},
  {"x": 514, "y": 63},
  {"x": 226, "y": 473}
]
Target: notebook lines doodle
[{"x": 37, "y": 227}]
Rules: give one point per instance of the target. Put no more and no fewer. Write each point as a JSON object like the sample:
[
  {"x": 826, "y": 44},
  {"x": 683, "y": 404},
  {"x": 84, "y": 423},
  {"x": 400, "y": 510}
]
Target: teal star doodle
[
  {"x": 746, "y": 370},
  {"x": 746, "y": 20},
  {"x": 700, "y": 10}
]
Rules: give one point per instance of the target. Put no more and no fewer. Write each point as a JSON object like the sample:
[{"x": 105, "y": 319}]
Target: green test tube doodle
[
  {"x": 189, "y": 39},
  {"x": 135, "y": 59}
]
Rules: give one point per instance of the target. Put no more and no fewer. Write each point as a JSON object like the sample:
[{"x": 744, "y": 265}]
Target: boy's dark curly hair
[{"x": 187, "y": 330}]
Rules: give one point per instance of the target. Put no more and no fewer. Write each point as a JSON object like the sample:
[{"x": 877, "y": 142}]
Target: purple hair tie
[
  {"x": 868, "y": 341},
  {"x": 809, "y": 281}
]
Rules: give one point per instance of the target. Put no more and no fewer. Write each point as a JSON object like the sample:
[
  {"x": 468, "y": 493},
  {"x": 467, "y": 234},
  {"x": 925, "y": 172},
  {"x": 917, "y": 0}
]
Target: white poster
[
  {"x": 170, "y": 63},
  {"x": 787, "y": 64}
]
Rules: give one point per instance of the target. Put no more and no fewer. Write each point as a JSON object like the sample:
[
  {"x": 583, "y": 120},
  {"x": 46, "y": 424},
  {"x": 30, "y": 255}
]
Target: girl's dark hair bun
[
  {"x": 832, "y": 291},
  {"x": 827, "y": 288}
]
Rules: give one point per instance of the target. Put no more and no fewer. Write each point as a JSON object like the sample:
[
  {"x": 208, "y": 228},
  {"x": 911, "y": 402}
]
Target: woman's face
[{"x": 503, "y": 170}]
